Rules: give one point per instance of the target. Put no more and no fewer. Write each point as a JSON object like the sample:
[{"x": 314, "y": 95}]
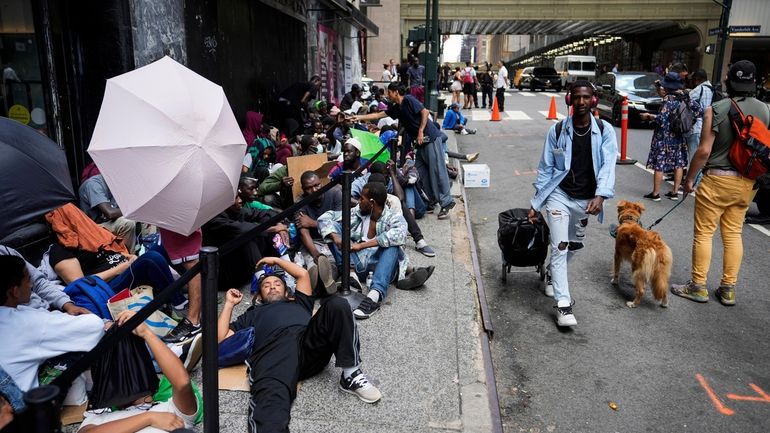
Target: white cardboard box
[{"x": 476, "y": 175}]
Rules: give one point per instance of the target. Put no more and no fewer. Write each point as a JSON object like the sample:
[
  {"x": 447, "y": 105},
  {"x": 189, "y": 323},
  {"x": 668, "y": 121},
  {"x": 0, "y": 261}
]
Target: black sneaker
[
  {"x": 191, "y": 352},
  {"x": 366, "y": 308},
  {"x": 444, "y": 213},
  {"x": 653, "y": 197},
  {"x": 184, "y": 331},
  {"x": 671, "y": 195},
  {"x": 415, "y": 279},
  {"x": 358, "y": 385}
]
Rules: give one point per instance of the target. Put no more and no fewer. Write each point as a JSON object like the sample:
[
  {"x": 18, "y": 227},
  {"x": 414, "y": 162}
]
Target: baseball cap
[{"x": 742, "y": 76}]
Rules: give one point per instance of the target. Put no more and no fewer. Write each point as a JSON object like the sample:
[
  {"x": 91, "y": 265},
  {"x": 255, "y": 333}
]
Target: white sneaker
[
  {"x": 564, "y": 316},
  {"x": 548, "y": 285},
  {"x": 358, "y": 385},
  {"x": 464, "y": 132}
]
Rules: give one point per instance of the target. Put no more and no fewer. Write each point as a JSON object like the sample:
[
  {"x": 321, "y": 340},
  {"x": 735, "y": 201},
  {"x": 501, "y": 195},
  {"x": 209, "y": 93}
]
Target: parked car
[
  {"x": 539, "y": 77},
  {"x": 638, "y": 87}
]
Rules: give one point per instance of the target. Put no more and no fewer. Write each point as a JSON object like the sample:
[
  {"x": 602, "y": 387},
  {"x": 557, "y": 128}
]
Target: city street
[{"x": 691, "y": 367}]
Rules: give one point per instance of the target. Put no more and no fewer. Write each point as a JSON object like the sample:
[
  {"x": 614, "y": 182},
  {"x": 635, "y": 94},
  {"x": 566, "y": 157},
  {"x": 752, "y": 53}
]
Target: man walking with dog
[
  {"x": 724, "y": 194},
  {"x": 575, "y": 175}
]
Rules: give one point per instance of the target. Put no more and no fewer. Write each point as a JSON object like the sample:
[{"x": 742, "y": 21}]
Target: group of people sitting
[{"x": 298, "y": 258}]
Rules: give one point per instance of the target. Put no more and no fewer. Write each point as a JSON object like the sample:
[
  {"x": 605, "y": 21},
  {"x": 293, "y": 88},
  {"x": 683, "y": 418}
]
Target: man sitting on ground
[
  {"x": 97, "y": 202},
  {"x": 247, "y": 191},
  {"x": 455, "y": 120},
  {"x": 314, "y": 250},
  {"x": 291, "y": 344},
  {"x": 351, "y": 159},
  {"x": 377, "y": 237},
  {"x": 178, "y": 412},
  {"x": 33, "y": 335}
]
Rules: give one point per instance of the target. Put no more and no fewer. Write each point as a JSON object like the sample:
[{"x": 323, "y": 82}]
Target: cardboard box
[{"x": 476, "y": 175}]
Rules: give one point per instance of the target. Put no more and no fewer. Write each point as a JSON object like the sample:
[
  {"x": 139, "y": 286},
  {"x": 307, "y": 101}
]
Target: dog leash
[{"x": 695, "y": 184}]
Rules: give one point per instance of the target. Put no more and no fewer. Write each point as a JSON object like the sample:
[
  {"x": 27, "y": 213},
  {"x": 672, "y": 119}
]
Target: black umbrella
[{"x": 34, "y": 178}]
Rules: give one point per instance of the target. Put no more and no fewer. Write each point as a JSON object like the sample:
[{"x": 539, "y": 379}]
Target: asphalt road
[{"x": 691, "y": 367}]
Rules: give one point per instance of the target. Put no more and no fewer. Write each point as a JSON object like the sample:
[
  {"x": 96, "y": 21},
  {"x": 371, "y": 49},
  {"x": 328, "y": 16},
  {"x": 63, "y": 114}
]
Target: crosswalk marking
[
  {"x": 558, "y": 115},
  {"x": 524, "y": 93},
  {"x": 482, "y": 114},
  {"x": 517, "y": 115}
]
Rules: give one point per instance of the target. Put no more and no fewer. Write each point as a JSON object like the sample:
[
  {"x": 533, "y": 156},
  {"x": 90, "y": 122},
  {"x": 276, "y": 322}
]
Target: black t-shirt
[
  {"x": 347, "y": 101},
  {"x": 296, "y": 91},
  {"x": 409, "y": 115},
  {"x": 90, "y": 263},
  {"x": 332, "y": 200},
  {"x": 580, "y": 182},
  {"x": 278, "y": 330}
]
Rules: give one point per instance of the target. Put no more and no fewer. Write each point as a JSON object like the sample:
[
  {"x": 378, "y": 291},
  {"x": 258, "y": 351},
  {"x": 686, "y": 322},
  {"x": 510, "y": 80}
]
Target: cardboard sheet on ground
[
  {"x": 73, "y": 414},
  {"x": 300, "y": 164},
  {"x": 236, "y": 378}
]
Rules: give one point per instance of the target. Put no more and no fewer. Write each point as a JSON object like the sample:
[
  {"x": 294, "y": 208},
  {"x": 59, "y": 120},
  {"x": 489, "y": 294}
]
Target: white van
[{"x": 572, "y": 68}]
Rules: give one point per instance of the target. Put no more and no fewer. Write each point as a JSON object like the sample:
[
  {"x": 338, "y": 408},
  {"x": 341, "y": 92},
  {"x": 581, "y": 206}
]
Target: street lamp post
[{"x": 724, "y": 22}]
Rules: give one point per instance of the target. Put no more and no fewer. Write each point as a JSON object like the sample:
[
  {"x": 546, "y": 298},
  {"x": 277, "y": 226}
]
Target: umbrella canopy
[
  {"x": 370, "y": 145},
  {"x": 168, "y": 146},
  {"x": 33, "y": 174}
]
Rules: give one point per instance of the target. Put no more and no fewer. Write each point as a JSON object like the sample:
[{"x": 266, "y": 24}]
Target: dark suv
[
  {"x": 638, "y": 87},
  {"x": 540, "y": 77}
]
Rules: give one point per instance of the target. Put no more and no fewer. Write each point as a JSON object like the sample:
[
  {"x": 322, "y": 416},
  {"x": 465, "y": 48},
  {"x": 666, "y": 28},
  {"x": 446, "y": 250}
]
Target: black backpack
[
  {"x": 682, "y": 118},
  {"x": 716, "y": 94}
]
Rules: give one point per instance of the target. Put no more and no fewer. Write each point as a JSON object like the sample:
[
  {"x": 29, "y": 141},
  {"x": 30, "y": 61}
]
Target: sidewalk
[{"x": 422, "y": 350}]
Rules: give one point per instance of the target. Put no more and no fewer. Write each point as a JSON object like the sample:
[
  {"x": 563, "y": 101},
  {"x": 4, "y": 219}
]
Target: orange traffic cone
[
  {"x": 552, "y": 109},
  {"x": 495, "y": 111}
]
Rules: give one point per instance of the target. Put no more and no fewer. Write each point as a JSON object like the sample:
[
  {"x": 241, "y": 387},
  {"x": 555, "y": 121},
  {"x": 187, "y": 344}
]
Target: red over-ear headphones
[{"x": 594, "y": 98}]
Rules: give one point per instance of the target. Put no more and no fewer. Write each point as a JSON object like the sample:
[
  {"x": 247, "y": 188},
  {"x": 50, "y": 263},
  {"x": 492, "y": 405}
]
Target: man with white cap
[
  {"x": 724, "y": 194},
  {"x": 351, "y": 159}
]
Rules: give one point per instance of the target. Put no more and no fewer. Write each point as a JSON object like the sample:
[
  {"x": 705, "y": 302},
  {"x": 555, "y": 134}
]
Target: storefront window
[{"x": 22, "y": 87}]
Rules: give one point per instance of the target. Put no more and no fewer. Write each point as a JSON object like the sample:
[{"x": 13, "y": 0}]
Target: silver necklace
[{"x": 583, "y": 134}]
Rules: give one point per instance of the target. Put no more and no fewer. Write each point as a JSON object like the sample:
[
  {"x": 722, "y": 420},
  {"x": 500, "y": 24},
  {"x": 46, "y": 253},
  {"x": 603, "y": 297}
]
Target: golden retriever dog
[{"x": 650, "y": 257}]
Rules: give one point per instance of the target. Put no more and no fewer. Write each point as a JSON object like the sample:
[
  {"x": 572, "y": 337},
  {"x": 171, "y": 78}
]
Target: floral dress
[{"x": 668, "y": 150}]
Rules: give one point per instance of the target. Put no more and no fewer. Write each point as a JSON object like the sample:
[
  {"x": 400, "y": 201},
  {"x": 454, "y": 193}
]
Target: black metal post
[
  {"x": 43, "y": 410},
  {"x": 209, "y": 257},
  {"x": 724, "y": 27},
  {"x": 353, "y": 298}
]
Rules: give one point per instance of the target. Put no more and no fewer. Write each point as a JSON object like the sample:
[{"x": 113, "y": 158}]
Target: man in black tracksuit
[{"x": 292, "y": 344}]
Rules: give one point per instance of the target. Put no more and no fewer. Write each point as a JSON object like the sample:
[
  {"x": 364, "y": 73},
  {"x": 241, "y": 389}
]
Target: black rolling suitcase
[{"x": 521, "y": 242}]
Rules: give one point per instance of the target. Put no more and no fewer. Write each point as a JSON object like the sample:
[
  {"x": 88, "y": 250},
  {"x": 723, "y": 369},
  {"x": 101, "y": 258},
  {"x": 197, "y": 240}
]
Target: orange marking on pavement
[
  {"x": 724, "y": 410},
  {"x": 763, "y": 397}
]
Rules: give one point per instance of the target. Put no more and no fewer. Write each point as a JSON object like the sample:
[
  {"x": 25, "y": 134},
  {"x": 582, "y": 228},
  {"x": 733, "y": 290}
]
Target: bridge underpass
[{"x": 652, "y": 24}]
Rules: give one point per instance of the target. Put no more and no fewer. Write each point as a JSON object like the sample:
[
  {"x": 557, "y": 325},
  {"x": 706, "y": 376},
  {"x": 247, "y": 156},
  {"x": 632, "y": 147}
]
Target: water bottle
[
  {"x": 369, "y": 281},
  {"x": 292, "y": 233}
]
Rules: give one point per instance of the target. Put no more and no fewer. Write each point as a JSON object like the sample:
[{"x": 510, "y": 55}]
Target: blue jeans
[
  {"x": 382, "y": 262},
  {"x": 11, "y": 392},
  {"x": 150, "y": 269},
  {"x": 414, "y": 201},
  {"x": 692, "y": 144},
  {"x": 429, "y": 161},
  {"x": 567, "y": 220}
]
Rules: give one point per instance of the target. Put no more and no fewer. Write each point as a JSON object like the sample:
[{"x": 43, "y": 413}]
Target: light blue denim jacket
[
  {"x": 556, "y": 161},
  {"x": 11, "y": 392}
]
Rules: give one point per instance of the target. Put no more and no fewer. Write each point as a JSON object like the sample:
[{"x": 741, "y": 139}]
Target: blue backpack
[{"x": 91, "y": 293}]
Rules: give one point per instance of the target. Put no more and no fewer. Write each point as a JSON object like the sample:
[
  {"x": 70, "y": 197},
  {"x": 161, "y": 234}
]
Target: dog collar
[{"x": 623, "y": 219}]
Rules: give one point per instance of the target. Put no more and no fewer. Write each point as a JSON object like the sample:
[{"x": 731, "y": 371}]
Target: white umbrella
[{"x": 168, "y": 146}]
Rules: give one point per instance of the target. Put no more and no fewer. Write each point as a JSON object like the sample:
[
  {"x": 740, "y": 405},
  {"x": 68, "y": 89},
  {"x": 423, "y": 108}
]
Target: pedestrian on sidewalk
[
  {"x": 668, "y": 148},
  {"x": 723, "y": 194},
  {"x": 469, "y": 85},
  {"x": 486, "y": 88},
  {"x": 429, "y": 159},
  {"x": 575, "y": 175},
  {"x": 501, "y": 84},
  {"x": 703, "y": 93},
  {"x": 292, "y": 344},
  {"x": 416, "y": 74}
]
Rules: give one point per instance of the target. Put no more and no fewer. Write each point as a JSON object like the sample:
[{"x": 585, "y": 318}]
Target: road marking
[
  {"x": 763, "y": 397},
  {"x": 559, "y": 116},
  {"x": 481, "y": 114},
  {"x": 760, "y": 229},
  {"x": 714, "y": 399},
  {"x": 517, "y": 115},
  {"x": 524, "y": 94}
]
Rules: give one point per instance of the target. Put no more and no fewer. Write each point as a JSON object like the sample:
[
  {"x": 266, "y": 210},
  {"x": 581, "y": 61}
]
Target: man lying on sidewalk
[
  {"x": 378, "y": 235},
  {"x": 292, "y": 344}
]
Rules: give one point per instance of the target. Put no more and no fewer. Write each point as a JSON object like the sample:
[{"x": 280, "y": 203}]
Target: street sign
[
  {"x": 715, "y": 31},
  {"x": 745, "y": 29}
]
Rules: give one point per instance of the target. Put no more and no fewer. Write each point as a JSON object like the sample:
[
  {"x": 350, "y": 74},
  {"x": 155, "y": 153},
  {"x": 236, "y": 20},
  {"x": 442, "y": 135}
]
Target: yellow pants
[{"x": 723, "y": 201}]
